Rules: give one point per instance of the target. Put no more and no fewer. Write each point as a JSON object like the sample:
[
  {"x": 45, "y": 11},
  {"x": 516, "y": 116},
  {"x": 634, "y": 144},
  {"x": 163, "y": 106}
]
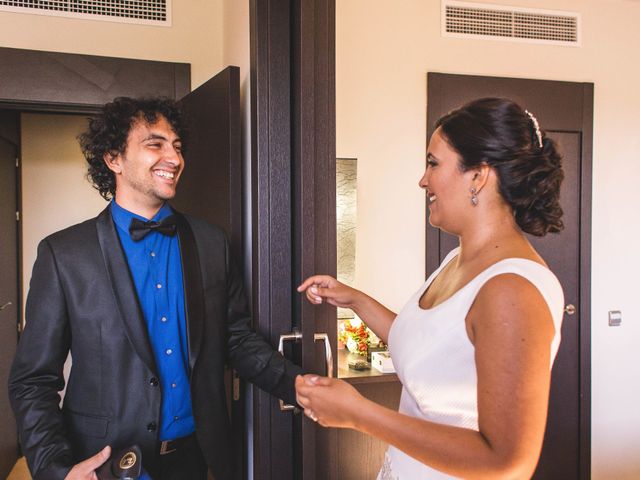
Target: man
[{"x": 151, "y": 312}]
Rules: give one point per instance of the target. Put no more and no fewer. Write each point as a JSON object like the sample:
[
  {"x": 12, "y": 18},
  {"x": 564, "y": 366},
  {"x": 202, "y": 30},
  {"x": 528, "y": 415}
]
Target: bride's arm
[
  {"x": 324, "y": 287},
  {"x": 511, "y": 328}
]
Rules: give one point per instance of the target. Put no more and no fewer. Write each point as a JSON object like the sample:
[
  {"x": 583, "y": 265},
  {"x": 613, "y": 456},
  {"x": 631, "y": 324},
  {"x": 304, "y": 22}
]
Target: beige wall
[
  {"x": 55, "y": 192},
  {"x": 383, "y": 55},
  {"x": 195, "y": 37},
  {"x": 235, "y": 51}
]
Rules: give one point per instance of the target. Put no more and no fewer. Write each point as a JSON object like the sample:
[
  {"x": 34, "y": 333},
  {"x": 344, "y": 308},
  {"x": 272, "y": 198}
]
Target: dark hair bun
[
  {"x": 499, "y": 133},
  {"x": 535, "y": 198}
]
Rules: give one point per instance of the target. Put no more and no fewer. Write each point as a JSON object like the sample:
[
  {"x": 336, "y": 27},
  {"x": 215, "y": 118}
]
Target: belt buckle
[{"x": 164, "y": 447}]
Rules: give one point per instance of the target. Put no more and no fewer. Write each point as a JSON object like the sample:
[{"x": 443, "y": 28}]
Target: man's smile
[{"x": 164, "y": 174}]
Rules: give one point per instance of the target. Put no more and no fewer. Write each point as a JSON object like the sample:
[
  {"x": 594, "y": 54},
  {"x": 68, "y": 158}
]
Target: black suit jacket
[{"x": 82, "y": 298}]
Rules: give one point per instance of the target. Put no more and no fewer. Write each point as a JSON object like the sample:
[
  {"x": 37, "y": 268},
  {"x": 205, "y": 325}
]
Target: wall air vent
[
  {"x": 149, "y": 12},
  {"x": 498, "y": 22}
]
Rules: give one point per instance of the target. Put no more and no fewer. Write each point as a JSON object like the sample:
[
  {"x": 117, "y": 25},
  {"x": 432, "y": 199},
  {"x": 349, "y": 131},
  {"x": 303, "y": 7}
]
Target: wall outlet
[{"x": 615, "y": 318}]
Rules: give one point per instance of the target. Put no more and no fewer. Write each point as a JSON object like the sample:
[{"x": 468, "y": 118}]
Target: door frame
[{"x": 11, "y": 138}]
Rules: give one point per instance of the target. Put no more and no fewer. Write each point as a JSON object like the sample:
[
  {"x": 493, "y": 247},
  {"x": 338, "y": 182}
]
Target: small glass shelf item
[{"x": 382, "y": 362}]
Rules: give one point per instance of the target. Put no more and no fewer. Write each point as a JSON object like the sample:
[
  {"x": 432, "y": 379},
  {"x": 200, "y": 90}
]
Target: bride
[{"x": 474, "y": 346}]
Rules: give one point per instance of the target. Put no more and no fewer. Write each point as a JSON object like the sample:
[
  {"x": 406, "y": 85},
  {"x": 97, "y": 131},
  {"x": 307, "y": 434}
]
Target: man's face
[{"x": 147, "y": 172}]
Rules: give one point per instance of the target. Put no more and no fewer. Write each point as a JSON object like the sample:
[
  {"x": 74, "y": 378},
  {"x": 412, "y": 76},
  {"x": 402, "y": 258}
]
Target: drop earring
[{"x": 474, "y": 196}]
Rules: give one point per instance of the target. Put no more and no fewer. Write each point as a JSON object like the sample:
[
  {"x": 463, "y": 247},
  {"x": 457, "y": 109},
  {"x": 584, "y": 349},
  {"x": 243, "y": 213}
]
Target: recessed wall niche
[{"x": 346, "y": 215}]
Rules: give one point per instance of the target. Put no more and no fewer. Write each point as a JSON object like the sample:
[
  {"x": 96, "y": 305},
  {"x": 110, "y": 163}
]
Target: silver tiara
[{"x": 534, "y": 120}]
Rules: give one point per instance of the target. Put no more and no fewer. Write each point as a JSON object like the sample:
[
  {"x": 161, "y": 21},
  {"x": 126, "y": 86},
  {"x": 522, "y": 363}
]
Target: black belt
[{"x": 168, "y": 446}]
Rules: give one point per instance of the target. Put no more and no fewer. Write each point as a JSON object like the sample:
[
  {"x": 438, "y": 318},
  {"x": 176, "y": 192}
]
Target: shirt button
[
  {"x": 153, "y": 382},
  {"x": 168, "y": 351},
  {"x": 159, "y": 285},
  {"x": 153, "y": 254},
  {"x": 163, "y": 319},
  {"x": 173, "y": 385},
  {"x": 151, "y": 427},
  {"x": 176, "y": 417}
]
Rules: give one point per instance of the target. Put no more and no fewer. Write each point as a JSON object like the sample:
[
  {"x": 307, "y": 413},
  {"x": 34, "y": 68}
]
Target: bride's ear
[{"x": 480, "y": 176}]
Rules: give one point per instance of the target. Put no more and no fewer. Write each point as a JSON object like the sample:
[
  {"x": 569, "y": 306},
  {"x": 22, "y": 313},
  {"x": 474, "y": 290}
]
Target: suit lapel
[
  {"x": 193, "y": 293},
  {"x": 123, "y": 288}
]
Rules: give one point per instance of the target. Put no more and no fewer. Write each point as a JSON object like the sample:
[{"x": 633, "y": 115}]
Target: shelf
[{"x": 352, "y": 376}]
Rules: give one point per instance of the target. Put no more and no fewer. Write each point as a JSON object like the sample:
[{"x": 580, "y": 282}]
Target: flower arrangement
[{"x": 355, "y": 337}]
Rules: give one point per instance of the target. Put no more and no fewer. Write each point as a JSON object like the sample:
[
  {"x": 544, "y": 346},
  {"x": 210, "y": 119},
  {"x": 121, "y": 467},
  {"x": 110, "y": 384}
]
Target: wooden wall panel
[{"x": 72, "y": 82}]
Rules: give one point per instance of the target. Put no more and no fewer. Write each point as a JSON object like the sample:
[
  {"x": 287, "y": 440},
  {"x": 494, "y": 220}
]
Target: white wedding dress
[{"x": 434, "y": 357}]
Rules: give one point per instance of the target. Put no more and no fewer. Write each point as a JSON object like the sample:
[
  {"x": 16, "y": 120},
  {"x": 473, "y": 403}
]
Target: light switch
[{"x": 615, "y": 318}]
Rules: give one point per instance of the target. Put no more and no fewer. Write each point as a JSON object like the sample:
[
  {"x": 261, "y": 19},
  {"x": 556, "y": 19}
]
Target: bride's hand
[
  {"x": 321, "y": 287},
  {"x": 329, "y": 401}
]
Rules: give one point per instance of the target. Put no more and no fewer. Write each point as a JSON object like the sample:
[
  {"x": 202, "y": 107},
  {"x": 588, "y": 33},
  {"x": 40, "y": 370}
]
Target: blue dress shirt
[{"x": 156, "y": 269}]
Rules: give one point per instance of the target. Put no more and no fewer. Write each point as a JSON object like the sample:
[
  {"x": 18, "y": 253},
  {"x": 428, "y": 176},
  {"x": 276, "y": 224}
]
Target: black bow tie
[{"x": 138, "y": 229}]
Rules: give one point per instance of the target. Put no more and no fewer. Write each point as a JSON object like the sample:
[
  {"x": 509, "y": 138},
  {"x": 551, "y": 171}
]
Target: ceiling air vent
[
  {"x": 149, "y": 12},
  {"x": 498, "y": 22}
]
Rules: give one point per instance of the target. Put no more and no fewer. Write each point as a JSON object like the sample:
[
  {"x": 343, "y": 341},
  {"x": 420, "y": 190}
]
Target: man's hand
[{"x": 86, "y": 470}]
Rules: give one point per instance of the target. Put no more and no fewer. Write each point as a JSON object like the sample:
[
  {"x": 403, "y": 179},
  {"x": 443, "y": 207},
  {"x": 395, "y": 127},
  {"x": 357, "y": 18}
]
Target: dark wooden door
[
  {"x": 9, "y": 298},
  {"x": 294, "y": 215},
  {"x": 211, "y": 187},
  {"x": 211, "y": 184},
  {"x": 564, "y": 110}
]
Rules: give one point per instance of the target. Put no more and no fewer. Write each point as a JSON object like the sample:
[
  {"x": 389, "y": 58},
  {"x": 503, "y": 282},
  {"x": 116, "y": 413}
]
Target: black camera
[{"x": 126, "y": 464}]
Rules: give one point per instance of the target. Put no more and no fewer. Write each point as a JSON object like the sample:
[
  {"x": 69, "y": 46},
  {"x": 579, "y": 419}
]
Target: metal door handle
[
  {"x": 327, "y": 349},
  {"x": 5, "y": 306},
  {"x": 287, "y": 337},
  {"x": 295, "y": 336}
]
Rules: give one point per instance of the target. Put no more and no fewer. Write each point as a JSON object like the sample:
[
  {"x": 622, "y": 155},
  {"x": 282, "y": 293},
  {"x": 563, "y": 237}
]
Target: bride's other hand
[{"x": 329, "y": 401}]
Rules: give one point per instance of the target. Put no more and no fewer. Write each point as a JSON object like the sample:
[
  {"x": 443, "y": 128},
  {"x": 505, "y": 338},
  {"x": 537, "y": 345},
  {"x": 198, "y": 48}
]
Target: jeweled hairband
[{"x": 534, "y": 120}]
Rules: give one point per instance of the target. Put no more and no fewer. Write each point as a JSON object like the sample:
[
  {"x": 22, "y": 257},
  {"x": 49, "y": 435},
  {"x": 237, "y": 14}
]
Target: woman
[{"x": 475, "y": 344}]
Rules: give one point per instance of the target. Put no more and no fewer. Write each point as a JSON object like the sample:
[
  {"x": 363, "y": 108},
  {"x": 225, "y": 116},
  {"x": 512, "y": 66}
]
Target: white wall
[
  {"x": 383, "y": 54},
  {"x": 195, "y": 37},
  {"x": 235, "y": 51},
  {"x": 55, "y": 192}
]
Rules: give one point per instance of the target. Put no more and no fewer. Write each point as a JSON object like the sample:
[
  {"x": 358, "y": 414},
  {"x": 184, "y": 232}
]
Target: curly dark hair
[
  {"x": 107, "y": 133},
  {"x": 499, "y": 133}
]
